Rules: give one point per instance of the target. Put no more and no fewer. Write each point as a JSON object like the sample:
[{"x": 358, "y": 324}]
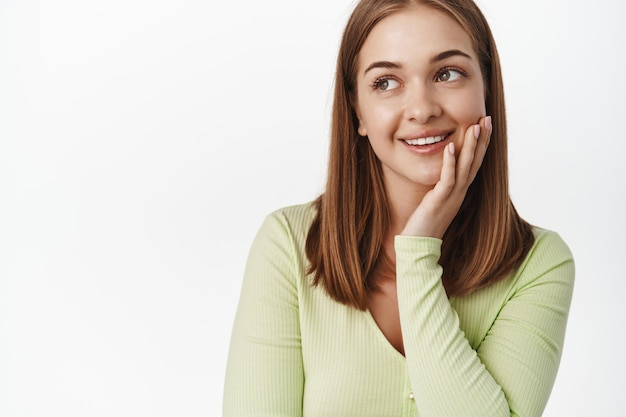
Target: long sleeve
[
  {"x": 512, "y": 370},
  {"x": 264, "y": 374}
]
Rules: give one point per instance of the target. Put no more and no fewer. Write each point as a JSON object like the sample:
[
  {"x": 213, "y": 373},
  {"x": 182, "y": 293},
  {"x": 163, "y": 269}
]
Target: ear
[
  {"x": 355, "y": 106},
  {"x": 361, "y": 130}
]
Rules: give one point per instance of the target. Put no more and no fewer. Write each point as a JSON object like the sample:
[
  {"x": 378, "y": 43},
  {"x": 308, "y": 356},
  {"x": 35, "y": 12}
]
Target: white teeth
[{"x": 425, "y": 141}]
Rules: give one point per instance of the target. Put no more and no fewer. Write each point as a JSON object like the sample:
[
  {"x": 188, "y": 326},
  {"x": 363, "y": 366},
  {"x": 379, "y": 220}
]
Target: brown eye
[
  {"x": 448, "y": 75},
  {"x": 386, "y": 84}
]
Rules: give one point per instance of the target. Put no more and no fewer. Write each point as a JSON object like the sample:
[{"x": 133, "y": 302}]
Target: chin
[{"x": 428, "y": 178}]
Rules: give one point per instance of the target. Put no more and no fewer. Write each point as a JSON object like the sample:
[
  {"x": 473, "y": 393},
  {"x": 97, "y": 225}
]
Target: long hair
[{"x": 486, "y": 239}]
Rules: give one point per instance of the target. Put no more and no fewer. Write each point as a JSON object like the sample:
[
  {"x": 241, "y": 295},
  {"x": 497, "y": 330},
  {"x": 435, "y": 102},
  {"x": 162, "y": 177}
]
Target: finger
[
  {"x": 481, "y": 148},
  {"x": 466, "y": 156},
  {"x": 447, "y": 177}
]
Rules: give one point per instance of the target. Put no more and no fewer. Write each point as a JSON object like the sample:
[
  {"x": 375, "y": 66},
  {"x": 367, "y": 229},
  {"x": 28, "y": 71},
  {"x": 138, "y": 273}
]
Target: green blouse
[{"x": 296, "y": 352}]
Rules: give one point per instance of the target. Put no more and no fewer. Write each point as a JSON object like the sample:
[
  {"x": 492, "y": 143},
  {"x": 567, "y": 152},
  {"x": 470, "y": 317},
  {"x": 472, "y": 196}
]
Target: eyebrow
[
  {"x": 439, "y": 57},
  {"x": 382, "y": 64},
  {"x": 447, "y": 54}
]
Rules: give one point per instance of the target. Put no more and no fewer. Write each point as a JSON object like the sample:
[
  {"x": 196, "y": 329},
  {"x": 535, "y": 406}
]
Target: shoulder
[
  {"x": 548, "y": 254},
  {"x": 295, "y": 220},
  {"x": 287, "y": 227},
  {"x": 548, "y": 246},
  {"x": 300, "y": 214}
]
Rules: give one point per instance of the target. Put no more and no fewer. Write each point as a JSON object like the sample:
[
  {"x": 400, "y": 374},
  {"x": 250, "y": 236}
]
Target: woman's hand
[{"x": 439, "y": 206}]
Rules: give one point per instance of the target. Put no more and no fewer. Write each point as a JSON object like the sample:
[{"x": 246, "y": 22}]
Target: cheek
[
  {"x": 468, "y": 108},
  {"x": 379, "y": 117}
]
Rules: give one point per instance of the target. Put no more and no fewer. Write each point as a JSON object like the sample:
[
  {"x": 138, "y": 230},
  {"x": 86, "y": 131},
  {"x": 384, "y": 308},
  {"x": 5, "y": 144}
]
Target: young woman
[{"x": 411, "y": 287}]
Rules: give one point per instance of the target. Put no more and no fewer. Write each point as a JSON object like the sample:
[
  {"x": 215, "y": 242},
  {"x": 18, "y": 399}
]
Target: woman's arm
[
  {"x": 513, "y": 369},
  {"x": 264, "y": 375}
]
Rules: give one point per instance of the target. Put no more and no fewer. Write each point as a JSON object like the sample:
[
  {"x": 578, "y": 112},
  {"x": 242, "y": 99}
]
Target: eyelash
[
  {"x": 448, "y": 69},
  {"x": 376, "y": 84}
]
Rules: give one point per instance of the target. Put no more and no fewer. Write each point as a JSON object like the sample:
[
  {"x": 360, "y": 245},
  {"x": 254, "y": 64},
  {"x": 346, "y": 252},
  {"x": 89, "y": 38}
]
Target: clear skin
[{"x": 419, "y": 76}]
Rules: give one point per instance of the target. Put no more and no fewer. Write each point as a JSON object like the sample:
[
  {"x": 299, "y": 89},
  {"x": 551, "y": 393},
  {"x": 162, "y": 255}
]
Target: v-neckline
[{"x": 381, "y": 336}]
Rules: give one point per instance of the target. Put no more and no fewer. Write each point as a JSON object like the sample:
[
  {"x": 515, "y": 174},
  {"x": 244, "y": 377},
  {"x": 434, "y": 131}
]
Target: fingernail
[
  {"x": 488, "y": 124},
  {"x": 451, "y": 148},
  {"x": 476, "y": 131}
]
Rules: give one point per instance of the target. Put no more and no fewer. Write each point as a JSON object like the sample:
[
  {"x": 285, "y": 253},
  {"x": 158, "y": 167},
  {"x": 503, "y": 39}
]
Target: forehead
[{"x": 417, "y": 32}]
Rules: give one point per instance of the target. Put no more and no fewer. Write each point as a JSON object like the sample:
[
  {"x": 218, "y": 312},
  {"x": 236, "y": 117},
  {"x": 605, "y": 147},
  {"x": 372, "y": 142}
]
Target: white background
[{"x": 143, "y": 142}]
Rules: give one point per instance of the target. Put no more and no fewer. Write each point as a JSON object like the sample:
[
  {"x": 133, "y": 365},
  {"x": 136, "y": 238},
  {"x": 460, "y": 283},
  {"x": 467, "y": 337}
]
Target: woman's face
[{"x": 419, "y": 87}]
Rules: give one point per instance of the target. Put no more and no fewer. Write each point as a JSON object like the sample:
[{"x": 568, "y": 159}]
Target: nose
[{"x": 422, "y": 104}]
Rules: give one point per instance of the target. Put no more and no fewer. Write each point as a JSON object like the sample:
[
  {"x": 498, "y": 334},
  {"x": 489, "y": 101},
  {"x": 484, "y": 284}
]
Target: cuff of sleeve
[
  {"x": 417, "y": 245},
  {"x": 417, "y": 259}
]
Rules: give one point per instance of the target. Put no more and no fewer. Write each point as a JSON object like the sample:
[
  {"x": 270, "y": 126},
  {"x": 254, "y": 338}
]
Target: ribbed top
[{"x": 296, "y": 352}]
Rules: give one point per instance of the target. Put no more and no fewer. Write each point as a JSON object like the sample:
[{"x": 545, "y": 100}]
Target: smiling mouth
[{"x": 429, "y": 140}]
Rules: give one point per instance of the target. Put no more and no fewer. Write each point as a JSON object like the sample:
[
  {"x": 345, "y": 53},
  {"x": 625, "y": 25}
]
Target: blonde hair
[{"x": 487, "y": 238}]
